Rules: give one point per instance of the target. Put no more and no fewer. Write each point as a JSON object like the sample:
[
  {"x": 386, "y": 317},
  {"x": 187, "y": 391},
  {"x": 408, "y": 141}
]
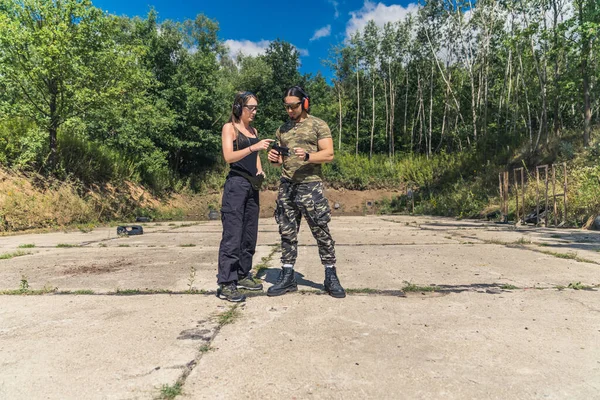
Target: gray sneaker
[
  {"x": 249, "y": 283},
  {"x": 229, "y": 292}
]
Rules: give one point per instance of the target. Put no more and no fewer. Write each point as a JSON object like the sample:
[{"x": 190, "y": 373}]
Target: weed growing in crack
[
  {"x": 362, "y": 291},
  {"x": 569, "y": 256},
  {"x": 523, "y": 240},
  {"x": 578, "y": 286},
  {"x": 168, "y": 392},
  {"x": 27, "y": 246},
  {"x": 411, "y": 287},
  {"x": 507, "y": 286},
  {"x": 229, "y": 316},
  {"x": 8, "y": 256},
  {"x": 24, "y": 285},
  {"x": 264, "y": 262},
  {"x": 191, "y": 279},
  {"x": 205, "y": 348}
]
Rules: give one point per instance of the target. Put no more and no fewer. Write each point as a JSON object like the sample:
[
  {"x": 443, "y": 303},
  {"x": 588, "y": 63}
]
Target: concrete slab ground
[{"x": 486, "y": 312}]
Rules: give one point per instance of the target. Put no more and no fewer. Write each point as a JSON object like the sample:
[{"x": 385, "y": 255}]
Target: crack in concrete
[
  {"x": 208, "y": 340},
  {"x": 432, "y": 290}
]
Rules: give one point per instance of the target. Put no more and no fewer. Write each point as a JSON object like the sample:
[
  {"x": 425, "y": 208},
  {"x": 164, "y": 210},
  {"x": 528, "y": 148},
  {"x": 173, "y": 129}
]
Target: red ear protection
[{"x": 305, "y": 103}]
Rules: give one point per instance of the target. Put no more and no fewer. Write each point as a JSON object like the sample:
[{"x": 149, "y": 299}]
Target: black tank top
[{"x": 248, "y": 163}]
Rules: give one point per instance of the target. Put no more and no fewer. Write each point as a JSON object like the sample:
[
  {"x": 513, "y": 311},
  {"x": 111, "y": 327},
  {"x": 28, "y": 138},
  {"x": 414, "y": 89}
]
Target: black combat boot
[
  {"x": 286, "y": 282},
  {"x": 332, "y": 284}
]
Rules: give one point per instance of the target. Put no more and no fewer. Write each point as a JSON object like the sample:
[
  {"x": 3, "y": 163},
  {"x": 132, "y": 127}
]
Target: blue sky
[{"x": 312, "y": 26}]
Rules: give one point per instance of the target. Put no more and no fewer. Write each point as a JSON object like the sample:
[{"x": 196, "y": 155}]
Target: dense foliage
[{"x": 101, "y": 98}]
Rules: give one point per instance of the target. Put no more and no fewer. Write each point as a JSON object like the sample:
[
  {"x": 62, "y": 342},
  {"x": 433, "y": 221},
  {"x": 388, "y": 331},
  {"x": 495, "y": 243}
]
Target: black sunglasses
[{"x": 291, "y": 106}]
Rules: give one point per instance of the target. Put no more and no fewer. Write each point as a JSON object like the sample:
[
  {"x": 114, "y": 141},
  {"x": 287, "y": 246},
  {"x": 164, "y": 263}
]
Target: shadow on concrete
[{"x": 272, "y": 274}]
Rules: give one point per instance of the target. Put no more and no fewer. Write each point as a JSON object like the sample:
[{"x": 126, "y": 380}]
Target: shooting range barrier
[{"x": 519, "y": 188}]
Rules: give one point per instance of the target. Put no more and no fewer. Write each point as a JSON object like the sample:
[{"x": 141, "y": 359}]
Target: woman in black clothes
[{"x": 240, "y": 205}]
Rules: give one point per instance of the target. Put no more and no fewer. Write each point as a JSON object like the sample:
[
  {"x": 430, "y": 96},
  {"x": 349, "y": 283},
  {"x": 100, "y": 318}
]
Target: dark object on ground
[
  {"x": 596, "y": 225},
  {"x": 531, "y": 218},
  {"x": 130, "y": 230},
  {"x": 143, "y": 219},
  {"x": 213, "y": 215},
  {"x": 493, "y": 215}
]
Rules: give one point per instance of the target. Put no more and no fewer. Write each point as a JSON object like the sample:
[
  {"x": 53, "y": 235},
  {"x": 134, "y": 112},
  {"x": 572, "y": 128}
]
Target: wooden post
[
  {"x": 554, "y": 194},
  {"x": 501, "y": 192},
  {"x": 565, "y": 192},
  {"x": 523, "y": 191},
  {"x": 516, "y": 195},
  {"x": 537, "y": 197},
  {"x": 506, "y": 198},
  {"x": 546, "y": 209}
]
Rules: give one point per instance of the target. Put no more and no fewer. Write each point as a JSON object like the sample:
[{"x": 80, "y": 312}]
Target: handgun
[{"x": 282, "y": 150}]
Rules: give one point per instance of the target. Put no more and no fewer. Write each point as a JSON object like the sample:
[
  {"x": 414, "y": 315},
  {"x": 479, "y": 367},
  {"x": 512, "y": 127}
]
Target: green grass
[
  {"x": 205, "y": 348},
  {"x": 131, "y": 292},
  {"x": 362, "y": 291},
  {"x": 566, "y": 256},
  {"x": 508, "y": 287},
  {"x": 265, "y": 261},
  {"x": 29, "y": 292},
  {"x": 578, "y": 286},
  {"x": 229, "y": 316},
  {"x": 523, "y": 241},
  {"x": 569, "y": 256},
  {"x": 27, "y": 246},
  {"x": 67, "y": 245},
  {"x": 411, "y": 287},
  {"x": 8, "y": 256},
  {"x": 168, "y": 392},
  {"x": 124, "y": 245},
  {"x": 86, "y": 228},
  {"x": 186, "y": 225},
  {"x": 187, "y": 245},
  {"x": 25, "y": 290}
]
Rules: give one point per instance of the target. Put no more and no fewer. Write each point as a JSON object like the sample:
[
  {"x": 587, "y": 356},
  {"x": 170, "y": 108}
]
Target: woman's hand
[{"x": 262, "y": 145}]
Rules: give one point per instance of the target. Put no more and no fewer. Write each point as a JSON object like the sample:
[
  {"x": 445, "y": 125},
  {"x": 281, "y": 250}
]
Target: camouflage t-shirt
[{"x": 306, "y": 135}]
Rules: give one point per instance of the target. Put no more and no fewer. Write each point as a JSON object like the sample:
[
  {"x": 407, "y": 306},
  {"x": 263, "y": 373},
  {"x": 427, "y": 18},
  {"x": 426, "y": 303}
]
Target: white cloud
[
  {"x": 303, "y": 52},
  {"x": 247, "y": 47},
  {"x": 379, "y": 13},
  {"x": 335, "y": 4},
  {"x": 323, "y": 32}
]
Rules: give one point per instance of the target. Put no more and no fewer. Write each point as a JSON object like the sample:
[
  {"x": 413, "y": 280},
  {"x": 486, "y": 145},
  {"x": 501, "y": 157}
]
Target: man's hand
[{"x": 300, "y": 153}]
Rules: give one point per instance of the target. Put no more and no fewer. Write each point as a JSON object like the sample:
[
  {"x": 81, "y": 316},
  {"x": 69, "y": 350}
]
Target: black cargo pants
[{"x": 239, "y": 215}]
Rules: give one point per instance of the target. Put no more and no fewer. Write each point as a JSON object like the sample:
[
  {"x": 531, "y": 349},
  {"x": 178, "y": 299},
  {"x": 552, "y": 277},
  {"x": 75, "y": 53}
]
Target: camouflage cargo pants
[{"x": 308, "y": 200}]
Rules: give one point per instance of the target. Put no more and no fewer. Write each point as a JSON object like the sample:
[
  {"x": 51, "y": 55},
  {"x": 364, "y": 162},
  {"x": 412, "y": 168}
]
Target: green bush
[
  {"x": 22, "y": 144},
  {"x": 91, "y": 162}
]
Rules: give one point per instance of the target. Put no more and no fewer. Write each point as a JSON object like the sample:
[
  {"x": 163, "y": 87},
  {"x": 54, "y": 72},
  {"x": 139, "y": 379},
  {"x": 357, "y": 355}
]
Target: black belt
[{"x": 256, "y": 181}]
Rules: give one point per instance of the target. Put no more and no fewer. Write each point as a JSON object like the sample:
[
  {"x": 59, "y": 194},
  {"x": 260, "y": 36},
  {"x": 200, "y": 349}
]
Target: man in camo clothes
[{"x": 301, "y": 191}]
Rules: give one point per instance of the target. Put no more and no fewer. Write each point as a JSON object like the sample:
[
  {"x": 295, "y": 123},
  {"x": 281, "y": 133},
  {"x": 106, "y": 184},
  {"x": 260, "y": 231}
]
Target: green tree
[{"x": 61, "y": 59}]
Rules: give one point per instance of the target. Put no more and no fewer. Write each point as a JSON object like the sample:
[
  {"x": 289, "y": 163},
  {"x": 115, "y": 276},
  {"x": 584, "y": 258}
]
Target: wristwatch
[{"x": 306, "y": 156}]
